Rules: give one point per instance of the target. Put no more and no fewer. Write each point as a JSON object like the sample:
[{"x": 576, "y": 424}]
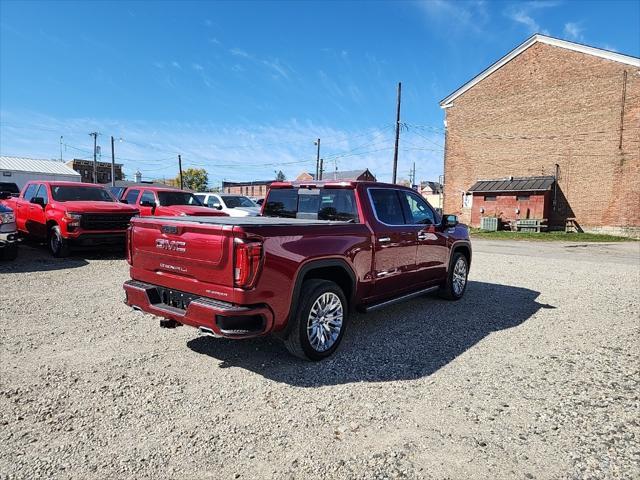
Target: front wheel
[
  {"x": 456, "y": 282},
  {"x": 57, "y": 243},
  {"x": 319, "y": 321}
]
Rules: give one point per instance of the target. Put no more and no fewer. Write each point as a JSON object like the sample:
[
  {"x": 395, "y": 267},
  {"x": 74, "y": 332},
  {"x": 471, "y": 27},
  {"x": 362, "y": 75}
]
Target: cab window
[
  {"x": 30, "y": 192},
  {"x": 418, "y": 210},
  {"x": 148, "y": 196},
  {"x": 387, "y": 206},
  {"x": 42, "y": 193},
  {"x": 132, "y": 196}
]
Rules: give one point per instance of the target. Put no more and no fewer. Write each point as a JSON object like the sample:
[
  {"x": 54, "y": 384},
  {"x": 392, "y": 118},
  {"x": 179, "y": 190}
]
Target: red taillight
[
  {"x": 246, "y": 262},
  {"x": 129, "y": 252}
]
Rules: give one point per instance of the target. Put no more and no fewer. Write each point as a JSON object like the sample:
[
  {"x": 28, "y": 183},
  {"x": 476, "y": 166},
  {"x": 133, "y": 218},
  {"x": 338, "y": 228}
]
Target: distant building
[
  {"x": 347, "y": 175},
  {"x": 20, "y": 170},
  {"x": 257, "y": 188},
  {"x": 432, "y": 193},
  {"x": 85, "y": 169}
]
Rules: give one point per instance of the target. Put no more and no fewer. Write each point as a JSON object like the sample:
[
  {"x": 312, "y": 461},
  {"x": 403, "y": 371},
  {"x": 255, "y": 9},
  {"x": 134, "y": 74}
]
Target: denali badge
[{"x": 172, "y": 245}]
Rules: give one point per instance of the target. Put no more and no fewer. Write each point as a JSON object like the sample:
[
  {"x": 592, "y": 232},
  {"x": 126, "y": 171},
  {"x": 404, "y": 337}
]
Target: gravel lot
[{"x": 534, "y": 374}]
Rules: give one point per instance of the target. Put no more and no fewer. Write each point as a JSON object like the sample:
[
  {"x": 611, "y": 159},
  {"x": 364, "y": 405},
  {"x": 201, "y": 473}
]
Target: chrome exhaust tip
[{"x": 208, "y": 332}]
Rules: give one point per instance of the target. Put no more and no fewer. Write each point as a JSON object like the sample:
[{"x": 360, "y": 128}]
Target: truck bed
[{"x": 250, "y": 221}]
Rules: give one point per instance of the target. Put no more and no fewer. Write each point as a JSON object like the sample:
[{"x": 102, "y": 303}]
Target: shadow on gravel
[
  {"x": 34, "y": 257},
  {"x": 404, "y": 342}
]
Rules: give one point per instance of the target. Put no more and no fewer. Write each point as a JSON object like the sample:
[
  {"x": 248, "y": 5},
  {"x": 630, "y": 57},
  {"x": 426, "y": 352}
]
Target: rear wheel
[
  {"x": 57, "y": 243},
  {"x": 456, "y": 282},
  {"x": 319, "y": 321}
]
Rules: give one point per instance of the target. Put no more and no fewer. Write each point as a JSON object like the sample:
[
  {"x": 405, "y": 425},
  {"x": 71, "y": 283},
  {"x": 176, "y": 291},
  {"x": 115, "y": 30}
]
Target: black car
[{"x": 8, "y": 234}]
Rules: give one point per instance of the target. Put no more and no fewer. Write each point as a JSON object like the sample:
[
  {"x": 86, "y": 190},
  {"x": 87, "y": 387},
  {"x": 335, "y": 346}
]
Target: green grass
[{"x": 548, "y": 236}]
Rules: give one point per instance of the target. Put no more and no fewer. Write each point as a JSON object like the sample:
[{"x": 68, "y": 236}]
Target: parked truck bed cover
[{"x": 249, "y": 221}]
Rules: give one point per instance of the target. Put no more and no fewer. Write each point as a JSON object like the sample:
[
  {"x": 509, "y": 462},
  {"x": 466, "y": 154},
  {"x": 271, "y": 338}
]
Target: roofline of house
[{"x": 556, "y": 42}]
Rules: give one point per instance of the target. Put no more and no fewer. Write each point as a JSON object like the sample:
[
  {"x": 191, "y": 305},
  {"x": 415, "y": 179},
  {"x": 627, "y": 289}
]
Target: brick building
[
  {"x": 256, "y": 188},
  {"x": 551, "y": 108},
  {"x": 85, "y": 169}
]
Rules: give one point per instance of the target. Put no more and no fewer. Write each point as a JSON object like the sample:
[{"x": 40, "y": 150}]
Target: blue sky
[{"x": 243, "y": 89}]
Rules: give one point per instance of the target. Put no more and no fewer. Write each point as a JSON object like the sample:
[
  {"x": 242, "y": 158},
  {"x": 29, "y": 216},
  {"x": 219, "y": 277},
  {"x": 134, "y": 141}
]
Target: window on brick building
[
  {"x": 490, "y": 198},
  {"x": 523, "y": 198}
]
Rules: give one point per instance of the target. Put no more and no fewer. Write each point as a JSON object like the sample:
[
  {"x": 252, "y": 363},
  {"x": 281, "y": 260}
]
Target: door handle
[{"x": 384, "y": 239}]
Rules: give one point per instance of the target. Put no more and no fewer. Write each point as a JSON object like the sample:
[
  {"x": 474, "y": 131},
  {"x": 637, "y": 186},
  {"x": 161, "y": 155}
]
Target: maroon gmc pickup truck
[{"x": 319, "y": 250}]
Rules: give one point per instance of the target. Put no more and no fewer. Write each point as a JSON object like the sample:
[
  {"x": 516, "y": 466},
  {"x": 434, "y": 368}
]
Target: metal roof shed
[{"x": 20, "y": 170}]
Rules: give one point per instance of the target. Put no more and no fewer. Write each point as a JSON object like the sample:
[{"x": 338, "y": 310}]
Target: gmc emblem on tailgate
[{"x": 172, "y": 245}]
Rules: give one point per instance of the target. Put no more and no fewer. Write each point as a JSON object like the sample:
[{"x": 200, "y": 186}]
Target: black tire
[
  {"x": 452, "y": 291},
  {"x": 297, "y": 341},
  {"x": 9, "y": 252},
  {"x": 58, "y": 245}
]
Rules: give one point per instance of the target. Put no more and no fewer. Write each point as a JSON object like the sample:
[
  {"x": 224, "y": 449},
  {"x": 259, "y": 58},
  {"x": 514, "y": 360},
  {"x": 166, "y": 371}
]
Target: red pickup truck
[
  {"x": 164, "y": 201},
  {"x": 318, "y": 251},
  {"x": 70, "y": 214}
]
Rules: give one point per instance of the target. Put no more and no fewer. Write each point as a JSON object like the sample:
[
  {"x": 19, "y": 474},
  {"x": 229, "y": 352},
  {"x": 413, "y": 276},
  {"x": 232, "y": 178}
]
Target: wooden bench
[{"x": 531, "y": 225}]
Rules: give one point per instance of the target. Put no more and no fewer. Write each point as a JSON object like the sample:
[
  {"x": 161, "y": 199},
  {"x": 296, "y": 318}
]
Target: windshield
[
  {"x": 237, "y": 201},
  {"x": 178, "y": 198},
  {"x": 68, "y": 193}
]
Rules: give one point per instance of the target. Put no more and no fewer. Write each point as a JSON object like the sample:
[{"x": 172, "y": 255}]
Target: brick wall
[
  {"x": 248, "y": 190},
  {"x": 551, "y": 105}
]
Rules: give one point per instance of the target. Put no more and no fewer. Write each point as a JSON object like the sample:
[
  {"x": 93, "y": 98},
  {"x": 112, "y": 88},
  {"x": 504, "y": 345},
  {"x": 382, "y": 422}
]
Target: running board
[{"x": 409, "y": 296}]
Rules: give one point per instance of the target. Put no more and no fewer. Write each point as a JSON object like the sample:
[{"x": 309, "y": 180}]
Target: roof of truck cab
[
  {"x": 336, "y": 184},
  {"x": 244, "y": 221},
  {"x": 68, "y": 184}
]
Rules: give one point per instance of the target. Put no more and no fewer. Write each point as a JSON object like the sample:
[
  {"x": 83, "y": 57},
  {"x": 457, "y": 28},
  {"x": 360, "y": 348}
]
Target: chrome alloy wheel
[
  {"x": 325, "y": 321},
  {"x": 459, "y": 276}
]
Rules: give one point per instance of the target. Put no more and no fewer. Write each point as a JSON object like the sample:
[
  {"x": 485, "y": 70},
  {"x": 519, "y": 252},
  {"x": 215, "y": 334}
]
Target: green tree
[
  {"x": 195, "y": 179},
  {"x": 280, "y": 177}
]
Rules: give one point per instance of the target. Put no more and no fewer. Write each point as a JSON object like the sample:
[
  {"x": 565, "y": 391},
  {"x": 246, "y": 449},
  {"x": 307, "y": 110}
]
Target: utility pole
[
  {"x": 180, "y": 170},
  {"x": 317, "y": 142},
  {"x": 321, "y": 169},
  {"x": 412, "y": 175},
  {"x": 61, "y": 147},
  {"x": 395, "y": 152},
  {"x": 113, "y": 164},
  {"x": 95, "y": 162}
]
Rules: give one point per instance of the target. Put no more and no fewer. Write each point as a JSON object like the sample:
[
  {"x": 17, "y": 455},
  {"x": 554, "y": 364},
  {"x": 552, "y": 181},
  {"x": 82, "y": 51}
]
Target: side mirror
[
  {"x": 147, "y": 203},
  {"x": 4, "y": 195},
  {"x": 217, "y": 206},
  {"x": 449, "y": 221},
  {"x": 38, "y": 201}
]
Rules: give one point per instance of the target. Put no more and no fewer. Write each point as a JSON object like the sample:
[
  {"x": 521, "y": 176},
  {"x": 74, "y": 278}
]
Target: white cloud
[
  {"x": 175, "y": 64},
  {"x": 197, "y": 67},
  {"x": 573, "y": 31},
  {"x": 239, "y": 53},
  {"x": 522, "y": 13},
  {"x": 469, "y": 15},
  {"x": 227, "y": 151}
]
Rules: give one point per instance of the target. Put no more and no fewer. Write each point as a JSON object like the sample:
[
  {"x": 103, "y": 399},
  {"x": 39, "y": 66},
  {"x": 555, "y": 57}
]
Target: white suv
[{"x": 232, "y": 205}]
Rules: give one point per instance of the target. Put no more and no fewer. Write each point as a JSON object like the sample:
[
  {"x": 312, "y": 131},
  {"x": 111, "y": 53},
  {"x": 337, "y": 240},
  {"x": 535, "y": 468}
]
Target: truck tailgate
[{"x": 192, "y": 257}]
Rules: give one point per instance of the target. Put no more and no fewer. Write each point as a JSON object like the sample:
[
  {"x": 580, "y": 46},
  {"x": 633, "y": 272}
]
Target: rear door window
[
  {"x": 387, "y": 206},
  {"x": 132, "y": 196}
]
